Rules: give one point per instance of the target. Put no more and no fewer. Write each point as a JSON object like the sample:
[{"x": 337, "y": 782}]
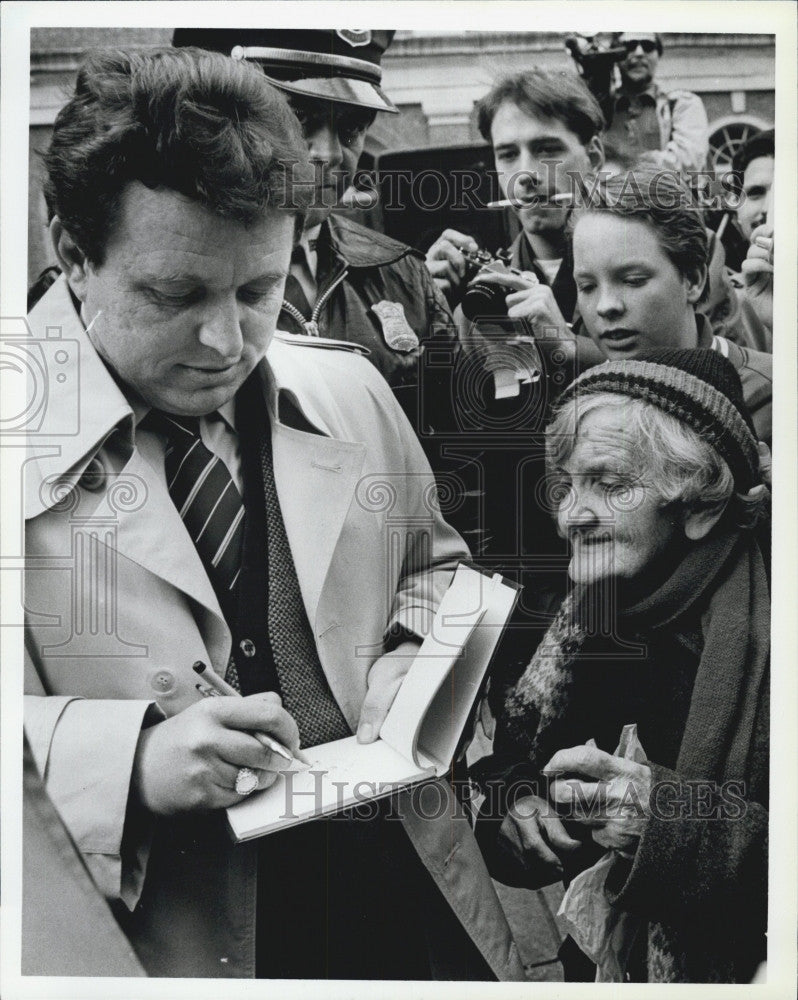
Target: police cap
[{"x": 341, "y": 64}]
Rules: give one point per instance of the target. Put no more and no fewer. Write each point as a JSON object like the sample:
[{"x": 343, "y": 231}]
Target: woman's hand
[
  {"x": 533, "y": 834},
  {"x": 608, "y": 793}
]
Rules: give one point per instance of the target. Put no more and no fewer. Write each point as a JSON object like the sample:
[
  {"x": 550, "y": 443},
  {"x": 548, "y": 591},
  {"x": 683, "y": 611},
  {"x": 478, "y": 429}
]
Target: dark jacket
[
  {"x": 563, "y": 287},
  {"x": 368, "y": 268}
]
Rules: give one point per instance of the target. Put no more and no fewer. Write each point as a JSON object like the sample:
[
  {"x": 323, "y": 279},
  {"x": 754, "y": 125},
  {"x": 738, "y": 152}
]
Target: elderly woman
[{"x": 654, "y": 472}]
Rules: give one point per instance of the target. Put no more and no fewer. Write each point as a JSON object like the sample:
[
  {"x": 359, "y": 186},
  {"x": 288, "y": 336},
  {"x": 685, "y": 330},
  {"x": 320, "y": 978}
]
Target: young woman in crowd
[{"x": 640, "y": 257}]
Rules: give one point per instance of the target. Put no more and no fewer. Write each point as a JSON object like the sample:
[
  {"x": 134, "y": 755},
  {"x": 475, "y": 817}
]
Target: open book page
[
  {"x": 437, "y": 692},
  {"x": 440, "y": 656},
  {"x": 345, "y": 772},
  {"x": 449, "y": 710},
  {"x": 342, "y": 773}
]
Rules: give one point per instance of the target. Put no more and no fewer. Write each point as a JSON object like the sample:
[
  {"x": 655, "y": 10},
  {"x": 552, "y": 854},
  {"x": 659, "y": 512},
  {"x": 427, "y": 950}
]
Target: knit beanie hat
[{"x": 699, "y": 387}]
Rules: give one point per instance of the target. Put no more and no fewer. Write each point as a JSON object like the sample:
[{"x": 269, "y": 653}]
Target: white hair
[{"x": 680, "y": 466}]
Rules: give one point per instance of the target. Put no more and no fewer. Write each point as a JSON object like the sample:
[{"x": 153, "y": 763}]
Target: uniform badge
[
  {"x": 398, "y": 333},
  {"x": 354, "y": 36}
]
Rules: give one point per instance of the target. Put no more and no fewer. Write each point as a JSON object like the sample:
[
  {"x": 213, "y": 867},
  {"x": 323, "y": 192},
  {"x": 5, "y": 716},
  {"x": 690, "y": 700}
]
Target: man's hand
[
  {"x": 652, "y": 157},
  {"x": 757, "y": 271},
  {"x": 191, "y": 761},
  {"x": 536, "y": 838},
  {"x": 765, "y": 484},
  {"x": 528, "y": 299},
  {"x": 765, "y": 464},
  {"x": 608, "y": 793},
  {"x": 446, "y": 263},
  {"x": 385, "y": 679}
]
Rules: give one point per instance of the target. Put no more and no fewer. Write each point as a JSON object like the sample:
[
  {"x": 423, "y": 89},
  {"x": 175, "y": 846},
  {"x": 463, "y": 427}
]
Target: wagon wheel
[{"x": 725, "y": 141}]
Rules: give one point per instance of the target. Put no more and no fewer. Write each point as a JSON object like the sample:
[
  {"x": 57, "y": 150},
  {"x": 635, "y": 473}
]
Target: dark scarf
[
  {"x": 726, "y": 574},
  {"x": 723, "y": 579},
  {"x": 730, "y": 573}
]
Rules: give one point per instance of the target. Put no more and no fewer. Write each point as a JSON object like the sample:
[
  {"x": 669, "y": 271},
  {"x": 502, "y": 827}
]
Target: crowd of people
[{"x": 600, "y": 431}]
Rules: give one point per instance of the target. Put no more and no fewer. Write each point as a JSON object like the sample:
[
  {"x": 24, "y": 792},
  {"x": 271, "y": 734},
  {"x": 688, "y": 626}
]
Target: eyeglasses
[{"x": 646, "y": 44}]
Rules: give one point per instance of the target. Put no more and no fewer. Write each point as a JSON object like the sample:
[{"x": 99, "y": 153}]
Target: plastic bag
[{"x": 603, "y": 932}]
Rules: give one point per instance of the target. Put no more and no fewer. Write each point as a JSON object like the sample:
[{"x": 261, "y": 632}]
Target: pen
[
  {"x": 216, "y": 686},
  {"x": 561, "y": 198}
]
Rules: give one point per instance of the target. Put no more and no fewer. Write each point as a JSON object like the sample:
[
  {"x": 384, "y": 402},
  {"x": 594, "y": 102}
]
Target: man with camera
[
  {"x": 545, "y": 130},
  {"x": 667, "y": 129}
]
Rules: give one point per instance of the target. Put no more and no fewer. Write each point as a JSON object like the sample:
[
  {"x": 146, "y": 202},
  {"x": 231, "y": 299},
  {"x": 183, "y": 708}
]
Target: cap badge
[
  {"x": 398, "y": 333},
  {"x": 354, "y": 36}
]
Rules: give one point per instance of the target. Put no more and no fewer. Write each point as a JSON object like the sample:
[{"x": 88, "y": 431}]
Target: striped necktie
[{"x": 206, "y": 498}]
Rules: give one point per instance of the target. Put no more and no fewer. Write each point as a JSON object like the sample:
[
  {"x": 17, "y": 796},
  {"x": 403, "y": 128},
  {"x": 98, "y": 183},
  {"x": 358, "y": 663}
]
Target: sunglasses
[{"x": 646, "y": 44}]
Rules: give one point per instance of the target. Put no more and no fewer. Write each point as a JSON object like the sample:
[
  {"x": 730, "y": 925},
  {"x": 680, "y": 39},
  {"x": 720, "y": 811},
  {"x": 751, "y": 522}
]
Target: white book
[{"x": 420, "y": 734}]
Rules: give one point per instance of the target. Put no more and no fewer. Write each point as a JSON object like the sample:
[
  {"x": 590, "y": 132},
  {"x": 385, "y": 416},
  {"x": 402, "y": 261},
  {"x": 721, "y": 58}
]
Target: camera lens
[{"x": 484, "y": 301}]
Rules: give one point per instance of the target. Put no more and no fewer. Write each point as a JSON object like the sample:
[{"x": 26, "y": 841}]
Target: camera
[
  {"x": 43, "y": 369},
  {"x": 596, "y": 60},
  {"x": 484, "y": 300}
]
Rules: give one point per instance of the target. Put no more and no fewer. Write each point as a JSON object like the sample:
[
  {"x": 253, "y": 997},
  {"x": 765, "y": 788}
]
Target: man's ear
[
  {"x": 595, "y": 153},
  {"x": 696, "y": 282},
  {"x": 71, "y": 258},
  {"x": 699, "y": 523}
]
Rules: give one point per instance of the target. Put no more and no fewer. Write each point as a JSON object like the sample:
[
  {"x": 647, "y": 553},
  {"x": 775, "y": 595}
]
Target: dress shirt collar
[{"x": 76, "y": 426}]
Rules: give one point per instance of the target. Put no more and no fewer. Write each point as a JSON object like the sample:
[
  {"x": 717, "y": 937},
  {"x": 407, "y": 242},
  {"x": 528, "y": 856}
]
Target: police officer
[{"x": 347, "y": 282}]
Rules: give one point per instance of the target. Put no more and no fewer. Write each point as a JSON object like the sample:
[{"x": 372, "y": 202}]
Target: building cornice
[{"x": 408, "y": 44}]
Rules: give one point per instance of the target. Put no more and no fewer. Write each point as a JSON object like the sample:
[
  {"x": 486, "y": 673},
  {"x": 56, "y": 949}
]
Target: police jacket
[{"x": 378, "y": 293}]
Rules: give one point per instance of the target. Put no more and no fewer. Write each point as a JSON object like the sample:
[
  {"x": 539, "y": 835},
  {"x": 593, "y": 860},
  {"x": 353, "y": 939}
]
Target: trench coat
[{"x": 119, "y": 607}]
